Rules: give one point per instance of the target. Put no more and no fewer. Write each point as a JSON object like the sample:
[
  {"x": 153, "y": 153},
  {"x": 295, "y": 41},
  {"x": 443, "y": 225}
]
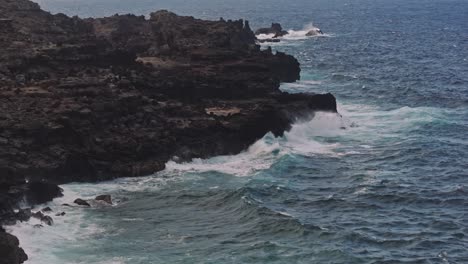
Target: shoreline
[{"x": 90, "y": 100}]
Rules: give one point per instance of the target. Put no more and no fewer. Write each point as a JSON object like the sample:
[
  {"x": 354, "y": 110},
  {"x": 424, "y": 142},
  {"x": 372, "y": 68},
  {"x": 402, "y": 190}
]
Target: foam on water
[
  {"x": 302, "y": 33},
  {"x": 293, "y": 35}
]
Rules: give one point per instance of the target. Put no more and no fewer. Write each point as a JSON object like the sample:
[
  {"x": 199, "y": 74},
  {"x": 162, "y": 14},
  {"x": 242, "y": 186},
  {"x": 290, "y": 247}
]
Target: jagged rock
[
  {"x": 47, "y": 220},
  {"x": 44, "y": 218},
  {"x": 81, "y": 202},
  {"x": 38, "y": 215},
  {"x": 10, "y": 251},
  {"x": 106, "y": 198},
  {"x": 276, "y": 29},
  {"x": 24, "y": 214},
  {"x": 46, "y": 209}
]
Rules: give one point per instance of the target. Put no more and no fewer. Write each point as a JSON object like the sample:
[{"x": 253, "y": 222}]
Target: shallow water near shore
[{"x": 383, "y": 182}]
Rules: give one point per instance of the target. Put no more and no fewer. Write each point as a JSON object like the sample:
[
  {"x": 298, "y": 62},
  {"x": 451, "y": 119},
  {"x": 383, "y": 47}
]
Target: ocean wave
[{"x": 302, "y": 33}]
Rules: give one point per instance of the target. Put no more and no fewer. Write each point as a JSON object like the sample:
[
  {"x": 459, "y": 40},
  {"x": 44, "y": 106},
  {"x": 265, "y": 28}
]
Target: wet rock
[
  {"x": 24, "y": 214},
  {"x": 276, "y": 29},
  {"x": 81, "y": 202},
  {"x": 38, "y": 215},
  {"x": 46, "y": 210},
  {"x": 38, "y": 226},
  {"x": 314, "y": 32},
  {"x": 60, "y": 214},
  {"x": 44, "y": 218},
  {"x": 47, "y": 220},
  {"x": 10, "y": 251},
  {"x": 106, "y": 198},
  {"x": 275, "y": 40}
]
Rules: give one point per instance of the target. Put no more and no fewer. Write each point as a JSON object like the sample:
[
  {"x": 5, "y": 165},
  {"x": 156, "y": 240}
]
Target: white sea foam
[
  {"x": 302, "y": 33},
  {"x": 257, "y": 157},
  {"x": 294, "y": 34},
  {"x": 265, "y": 36},
  {"x": 266, "y": 151}
]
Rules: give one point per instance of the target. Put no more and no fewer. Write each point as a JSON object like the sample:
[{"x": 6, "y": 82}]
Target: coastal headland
[{"x": 100, "y": 98}]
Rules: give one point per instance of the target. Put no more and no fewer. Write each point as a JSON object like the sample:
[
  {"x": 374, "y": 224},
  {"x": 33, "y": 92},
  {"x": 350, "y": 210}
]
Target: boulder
[
  {"x": 46, "y": 210},
  {"x": 81, "y": 202},
  {"x": 47, "y": 220},
  {"x": 44, "y": 218},
  {"x": 314, "y": 32},
  {"x": 106, "y": 198},
  {"x": 38, "y": 215}
]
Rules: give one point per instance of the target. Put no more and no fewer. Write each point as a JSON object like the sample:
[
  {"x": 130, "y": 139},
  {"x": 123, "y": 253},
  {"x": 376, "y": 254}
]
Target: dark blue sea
[{"x": 385, "y": 182}]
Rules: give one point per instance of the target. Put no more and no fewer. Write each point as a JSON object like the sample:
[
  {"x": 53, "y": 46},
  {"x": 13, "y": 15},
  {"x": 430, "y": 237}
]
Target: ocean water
[{"x": 385, "y": 182}]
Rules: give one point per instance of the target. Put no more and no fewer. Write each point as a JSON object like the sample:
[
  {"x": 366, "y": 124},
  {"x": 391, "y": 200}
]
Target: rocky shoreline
[{"x": 96, "y": 99}]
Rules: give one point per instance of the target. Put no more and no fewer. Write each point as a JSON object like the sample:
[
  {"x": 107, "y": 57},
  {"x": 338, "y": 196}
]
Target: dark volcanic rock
[
  {"x": 81, "y": 202},
  {"x": 44, "y": 218},
  {"x": 42, "y": 192},
  {"x": 275, "y": 29},
  {"x": 106, "y": 198},
  {"x": 10, "y": 252},
  {"x": 24, "y": 214},
  {"x": 94, "y": 99},
  {"x": 46, "y": 209}
]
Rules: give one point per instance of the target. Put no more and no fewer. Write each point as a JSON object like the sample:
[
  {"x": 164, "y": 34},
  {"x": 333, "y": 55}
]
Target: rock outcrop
[
  {"x": 10, "y": 251},
  {"x": 105, "y": 198},
  {"x": 82, "y": 202},
  {"x": 314, "y": 32},
  {"x": 276, "y": 30},
  {"x": 95, "y": 99}
]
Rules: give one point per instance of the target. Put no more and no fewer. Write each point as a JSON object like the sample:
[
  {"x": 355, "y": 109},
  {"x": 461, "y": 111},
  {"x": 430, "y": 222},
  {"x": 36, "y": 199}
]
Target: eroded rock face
[{"x": 88, "y": 100}]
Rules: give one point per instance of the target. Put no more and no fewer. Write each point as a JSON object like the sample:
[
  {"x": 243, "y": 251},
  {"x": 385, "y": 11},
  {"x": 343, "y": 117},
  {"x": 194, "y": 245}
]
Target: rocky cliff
[{"x": 94, "y": 99}]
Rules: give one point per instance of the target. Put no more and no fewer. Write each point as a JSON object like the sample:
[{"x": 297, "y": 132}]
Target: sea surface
[{"x": 386, "y": 181}]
